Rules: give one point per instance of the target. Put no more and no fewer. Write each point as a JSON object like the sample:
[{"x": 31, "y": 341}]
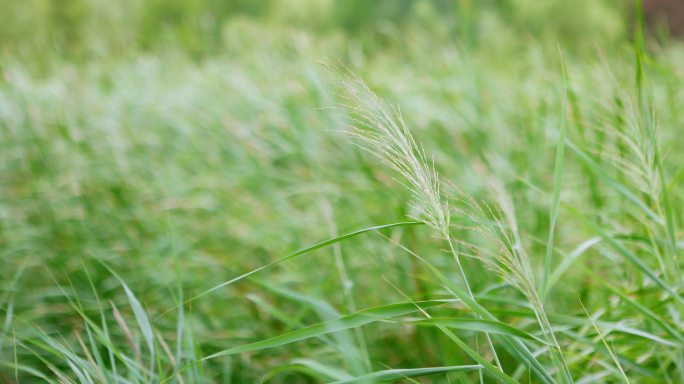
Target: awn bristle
[{"x": 383, "y": 132}]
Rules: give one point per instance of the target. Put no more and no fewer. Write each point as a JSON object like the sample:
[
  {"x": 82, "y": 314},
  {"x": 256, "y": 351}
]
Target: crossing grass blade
[
  {"x": 33, "y": 372},
  {"x": 311, "y": 368},
  {"x": 477, "y": 325},
  {"x": 628, "y": 255},
  {"x": 572, "y": 322},
  {"x": 513, "y": 345},
  {"x": 141, "y": 318},
  {"x": 293, "y": 255},
  {"x": 570, "y": 259},
  {"x": 392, "y": 375},
  {"x": 610, "y": 350},
  {"x": 617, "y": 186},
  {"x": 672, "y": 332},
  {"x": 358, "y": 319}
]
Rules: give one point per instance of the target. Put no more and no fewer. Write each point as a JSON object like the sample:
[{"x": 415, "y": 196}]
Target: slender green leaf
[
  {"x": 514, "y": 346},
  {"x": 141, "y": 318},
  {"x": 557, "y": 184},
  {"x": 357, "y": 319},
  {"x": 479, "y": 325},
  {"x": 570, "y": 259},
  {"x": 312, "y": 368},
  {"x": 573, "y": 321},
  {"x": 671, "y": 331},
  {"x": 304, "y": 251},
  {"x": 398, "y": 374},
  {"x": 596, "y": 168},
  {"x": 632, "y": 258}
]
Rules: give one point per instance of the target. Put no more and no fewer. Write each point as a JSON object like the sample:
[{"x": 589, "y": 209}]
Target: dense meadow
[{"x": 319, "y": 191}]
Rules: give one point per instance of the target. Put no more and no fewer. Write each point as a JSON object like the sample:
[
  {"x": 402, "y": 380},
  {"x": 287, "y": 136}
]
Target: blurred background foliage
[
  {"x": 185, "y": 142},
  {"x": 201, "y": 27}
]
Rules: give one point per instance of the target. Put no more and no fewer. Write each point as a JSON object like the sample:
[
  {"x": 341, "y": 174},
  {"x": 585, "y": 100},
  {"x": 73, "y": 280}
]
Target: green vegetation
[{"x": 339, "y": 191}]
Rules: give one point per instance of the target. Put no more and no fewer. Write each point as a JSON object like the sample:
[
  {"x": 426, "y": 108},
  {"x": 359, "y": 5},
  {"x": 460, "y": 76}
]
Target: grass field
[{"x": 305, "y": 192}]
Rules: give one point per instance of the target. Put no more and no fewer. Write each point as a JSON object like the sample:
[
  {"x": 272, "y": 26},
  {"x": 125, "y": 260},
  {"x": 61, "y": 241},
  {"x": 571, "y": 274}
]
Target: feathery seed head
[{"x": 381, "y": 130}]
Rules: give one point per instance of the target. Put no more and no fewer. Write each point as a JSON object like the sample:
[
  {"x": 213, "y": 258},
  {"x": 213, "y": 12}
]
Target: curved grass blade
[
  {"x": 631, "y": 257},
  {"x": 633, "y": 366},
  {"x": 27, "y": 370},
  {"x": 103, "y": 337},
  {"x": 312, "y": 248},
  {"x": 343, "y": 341},
  {"x": 311, "y": 368},
  {"x": 581, "y": 322},
  {"x": 479, "y": 325},
  {"x": 490, "y": 369},
  {"x": 648, "y": 313},
  {"x": 354, "y": 320},
  {"x": 569, "y": 260},
  {"x": 391, "y": 375},
  {"x": 674, "y": 333},
  {"x": 611, "y": 352},
  {"x": 495, "y": 371},
  {"x": 596, "y": 169},
  {"x": 141, "y": 318},
  {"x": 573, "y": 321},
  {"x": 512, "y": 345}
]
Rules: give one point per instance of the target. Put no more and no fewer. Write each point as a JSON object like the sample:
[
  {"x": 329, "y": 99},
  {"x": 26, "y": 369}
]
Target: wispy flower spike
[{"x": 381, "y": 130}]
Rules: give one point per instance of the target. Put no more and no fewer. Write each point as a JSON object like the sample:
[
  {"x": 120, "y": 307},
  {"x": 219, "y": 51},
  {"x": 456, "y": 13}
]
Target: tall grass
[{"x": 475, "y": 213}]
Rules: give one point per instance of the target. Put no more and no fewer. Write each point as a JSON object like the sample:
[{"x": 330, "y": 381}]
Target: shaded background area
[{"x": 184, "y": 142}]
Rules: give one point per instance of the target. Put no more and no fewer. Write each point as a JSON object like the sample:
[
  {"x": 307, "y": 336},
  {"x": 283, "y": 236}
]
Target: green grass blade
[
  {"x": 632, "y": 258},
  {"x": 354, "y": 320},
  {"x": 312, "y": 368},
  {"x": 596, "y": 168},
  {"x": 141, "y": 318},
  {"x": 342, "y": 341},
  {"x": 487, "y": 366},
  {"x": 495, "y": 371},
  {"x": 557, "y": 184},
  {"x": 301, "y": 252},
  {"x": 570, "y": 259},
  {"x": 572, "y": 321},
  {"x": 512, "y": 345},
  {"x": 392, "y": 375},
  {"x": 478, "y": 325},
  {"x": 28, "y": 370},
  {"x": 610, "y": 350},
  {"x": 671, "y": 331}
]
